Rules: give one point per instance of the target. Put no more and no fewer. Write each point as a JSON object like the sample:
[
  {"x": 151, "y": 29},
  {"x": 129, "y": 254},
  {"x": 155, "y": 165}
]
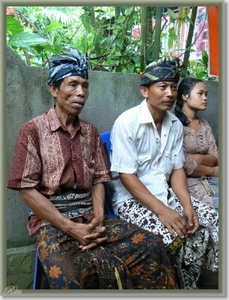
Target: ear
[
  {"x": 53, "y": 90},
  {"x": 185, "y": 97},
  {"x": 144, "y": 91}
]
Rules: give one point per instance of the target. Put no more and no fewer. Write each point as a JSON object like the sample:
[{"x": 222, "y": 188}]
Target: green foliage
[
  {"x": 199, "y": 68},
  {"x": 103, "y": 33},
  {"x": 171, "y": 14},
  {"x": 13, "y": 26},
  {"x": 171, "y": 38},
  {"x": 26, "y": 40}
]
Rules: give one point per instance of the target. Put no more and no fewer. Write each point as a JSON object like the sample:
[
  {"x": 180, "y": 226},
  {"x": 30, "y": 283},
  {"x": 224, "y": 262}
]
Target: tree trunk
[
  {"x": 146, "y": 35},
  {"x": 96, "y": 40},
  {"x": 157, "y": 35},
  {"x": 190, "y": 36},
  {"x": 144, "y": 29}
]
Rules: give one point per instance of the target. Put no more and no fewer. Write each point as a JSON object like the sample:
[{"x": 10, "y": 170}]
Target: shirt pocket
[
  {"x": 89, "y": 166},
  {"x": 170, "y": 155},
  {"x": 143, "y": 158}
]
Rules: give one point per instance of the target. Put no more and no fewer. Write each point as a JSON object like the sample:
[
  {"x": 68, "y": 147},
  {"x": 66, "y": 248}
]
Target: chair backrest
[{"x": 105, "y": 137}]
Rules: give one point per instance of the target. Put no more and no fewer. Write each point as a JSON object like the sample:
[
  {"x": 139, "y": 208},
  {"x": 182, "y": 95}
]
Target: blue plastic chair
[
  {"x": 38, "y": 269},
  {"x": 105, "y": 137},
  {"x": 38, "y": 273}
]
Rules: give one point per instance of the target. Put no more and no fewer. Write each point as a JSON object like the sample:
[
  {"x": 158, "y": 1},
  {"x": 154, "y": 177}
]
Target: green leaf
[
  {"x": 121, "y": 19},
  {"x": 53, "y": 26},
  {"x": 171, "y": 13},
  {"x": 26, "y": 39},
  {"x": 205, "y": 57},
  {"x": 200, "y": 74},
  {"x": 170, "y": 43},
  {"x": 13, "y": 26},
  {"x": 49, "y": 49},
  {"x": 128, "y": 10},
  {"x": 171, "y": 31}
]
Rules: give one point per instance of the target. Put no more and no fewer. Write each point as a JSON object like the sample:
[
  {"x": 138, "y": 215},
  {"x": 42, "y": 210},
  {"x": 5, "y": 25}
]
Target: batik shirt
[{"x": 48, "y": 159}]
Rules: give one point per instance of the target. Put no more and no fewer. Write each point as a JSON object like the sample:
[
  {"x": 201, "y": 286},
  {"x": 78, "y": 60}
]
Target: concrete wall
[
  {"x": 27, "y": 96},
  {"x": 20, "y": 267}
]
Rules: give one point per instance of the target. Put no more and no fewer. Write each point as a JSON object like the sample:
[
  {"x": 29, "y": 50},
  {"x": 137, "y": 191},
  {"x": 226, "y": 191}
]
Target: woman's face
[{"x": 197, "y": 100}]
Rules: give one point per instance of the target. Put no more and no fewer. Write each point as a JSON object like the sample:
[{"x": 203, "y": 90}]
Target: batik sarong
[
  {"x": 188, "y": 256},
  {"x": 132, "y": 258}
]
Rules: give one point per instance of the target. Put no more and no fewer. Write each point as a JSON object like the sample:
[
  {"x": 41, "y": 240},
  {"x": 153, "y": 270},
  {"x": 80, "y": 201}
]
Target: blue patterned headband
[
  {"x": 72, "y": 64},
  {"x": 163, "y": 69}
]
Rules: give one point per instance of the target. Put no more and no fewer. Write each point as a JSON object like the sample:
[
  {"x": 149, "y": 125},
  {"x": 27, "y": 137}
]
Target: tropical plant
[
  {"x": 199, "y": 67},
  {"x": 104, "y": 34}
]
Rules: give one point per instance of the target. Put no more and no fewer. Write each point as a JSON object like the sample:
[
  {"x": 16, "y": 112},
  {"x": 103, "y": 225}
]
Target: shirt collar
[
  {"x": 55, "y": 122},
  {"x": 146, "y": 117}
]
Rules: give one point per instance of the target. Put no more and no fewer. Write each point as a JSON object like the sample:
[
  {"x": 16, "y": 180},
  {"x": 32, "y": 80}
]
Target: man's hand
[
  {"x": 88, "y": 235},
  {"x": 191, "y": 218},
  {"x": 95, "y": 238},
  {"x": 174, "y": 222}
]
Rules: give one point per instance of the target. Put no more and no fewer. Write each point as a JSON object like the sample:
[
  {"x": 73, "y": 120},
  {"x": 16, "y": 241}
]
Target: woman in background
[{"x": 201, "y": 153}]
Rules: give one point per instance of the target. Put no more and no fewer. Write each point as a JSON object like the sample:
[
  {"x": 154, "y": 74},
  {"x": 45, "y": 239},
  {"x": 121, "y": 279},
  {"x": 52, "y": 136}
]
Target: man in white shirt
[{"x": 150, "y": 185}]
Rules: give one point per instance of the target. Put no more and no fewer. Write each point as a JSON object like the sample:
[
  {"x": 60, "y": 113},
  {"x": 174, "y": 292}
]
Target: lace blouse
[{"x": 202, "y": 142}]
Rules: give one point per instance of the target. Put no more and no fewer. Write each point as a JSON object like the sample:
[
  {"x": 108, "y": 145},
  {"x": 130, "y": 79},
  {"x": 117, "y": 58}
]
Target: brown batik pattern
[
  {"x": 188, "y": 256},
  {"x": 132, "y": 258}
]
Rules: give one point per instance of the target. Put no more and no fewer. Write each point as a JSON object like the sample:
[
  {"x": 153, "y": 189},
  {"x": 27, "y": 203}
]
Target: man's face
[
  {"x": 160, "y": 95},
  {"x": 71, "y": 95}
]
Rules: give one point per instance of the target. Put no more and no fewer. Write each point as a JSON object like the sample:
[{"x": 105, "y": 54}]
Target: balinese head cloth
[
  {"x": 72, "y": 64},
  {"x": 164, "y": 69}
]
